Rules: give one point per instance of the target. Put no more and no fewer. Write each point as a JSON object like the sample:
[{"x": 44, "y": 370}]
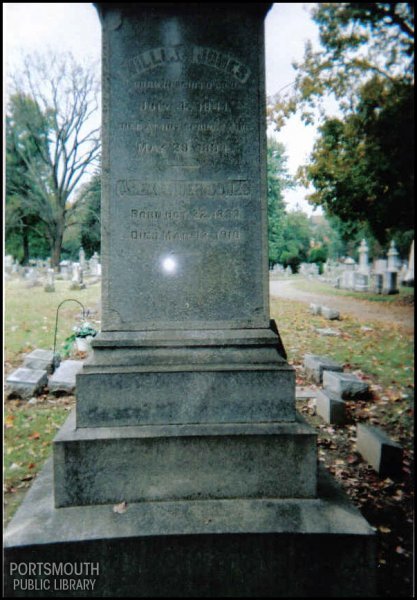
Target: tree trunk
[
  {"x": 56, "y": 246},
  {"x": 25, "y": 243}
]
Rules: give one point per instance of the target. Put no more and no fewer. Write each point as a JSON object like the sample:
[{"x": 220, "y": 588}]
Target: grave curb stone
[
  {"x": 64, "y": 378},
  {"x": 315, "y": 309},
  {"x": 26, "y": 382},
  {"x": 346, "y": 386},
  {"x": 382, "y": 453},
  {"x": 42, "y": 359},
  {"x": 330, "y": 313},
  {"x": 331, "y": 410},
  {"x": 315, "y": 365}
]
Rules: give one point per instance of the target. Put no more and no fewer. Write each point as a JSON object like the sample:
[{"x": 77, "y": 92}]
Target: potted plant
[{"x": 81, "y": 337}]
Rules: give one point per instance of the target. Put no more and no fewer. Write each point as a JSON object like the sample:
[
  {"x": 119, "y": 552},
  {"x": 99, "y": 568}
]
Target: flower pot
[{"x": 83, "y": 344}]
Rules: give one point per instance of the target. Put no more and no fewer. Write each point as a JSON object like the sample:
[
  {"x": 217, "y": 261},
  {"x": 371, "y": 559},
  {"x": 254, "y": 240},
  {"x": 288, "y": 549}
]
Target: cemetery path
[{"x": 361, "y": 309}]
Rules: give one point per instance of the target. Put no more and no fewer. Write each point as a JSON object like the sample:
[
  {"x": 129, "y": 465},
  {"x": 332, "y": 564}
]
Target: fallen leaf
[
  {"x": 120, "y": 508},
  {"x": 8, "y": 421},
  {"x": 384, "y": 529},
  {"x": 34, "y": 436}
]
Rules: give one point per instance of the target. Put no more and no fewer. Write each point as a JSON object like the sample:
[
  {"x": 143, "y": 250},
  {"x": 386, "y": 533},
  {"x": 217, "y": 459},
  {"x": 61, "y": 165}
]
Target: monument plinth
[{"x": 186, "y": 408}]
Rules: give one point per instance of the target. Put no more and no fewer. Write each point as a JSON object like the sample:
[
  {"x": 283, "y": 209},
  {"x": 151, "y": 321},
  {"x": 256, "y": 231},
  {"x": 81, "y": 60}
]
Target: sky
[{"x": 30, "y": 27}]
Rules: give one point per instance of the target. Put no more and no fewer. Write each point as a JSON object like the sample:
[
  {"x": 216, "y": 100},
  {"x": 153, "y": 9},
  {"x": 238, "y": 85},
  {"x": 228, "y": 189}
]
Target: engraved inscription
[
  {"x": 198, "y": 55},
  {"x": 221, "y": 214},
  {"x": 186, "y": 189},
  {"x": 222, "y": 235},
  {"x": 183, "y": 84},
  {"x": 183, "y": 147},
  {"x": 193, "y": 127},
  {"x": 206, "y": 106}
]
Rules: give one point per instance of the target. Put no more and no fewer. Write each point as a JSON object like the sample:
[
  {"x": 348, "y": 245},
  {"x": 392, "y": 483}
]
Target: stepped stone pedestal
[{"x": 185, "y": 470}]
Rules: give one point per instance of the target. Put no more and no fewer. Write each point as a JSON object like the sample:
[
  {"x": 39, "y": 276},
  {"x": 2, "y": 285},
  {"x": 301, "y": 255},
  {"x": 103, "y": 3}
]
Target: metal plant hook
[{"x": 57, "y": 312}]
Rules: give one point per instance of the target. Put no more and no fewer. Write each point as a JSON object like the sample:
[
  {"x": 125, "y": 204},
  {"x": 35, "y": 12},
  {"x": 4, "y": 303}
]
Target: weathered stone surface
[
  {"x": 344, "y": 385},
  {"x": 186, "y": 377},
  {"x": 174, "y": 462},
  {"x": 184, "y": 197},
  {"x": 209, "y": 548},
  {"x": 26, "y": 382},
  {"x": 329, "y": 313},
  {"x": 380, "y": 451},
  {"x": 64, "y": 378},
  {"x": 327, "y": 331},
  {"x": 361, "y": 283},
  {"x": 315, "y": 309},
  {"x": 185, "y": 296},
  {"x": 181, "y": 395},
  {"x": 390, "y": 283},
  {"x": 302, "y": 392},
  {"x": 42, "y": 359},
  {"x": 331, "y": 410},
  {"x": 315, "y": 365}
]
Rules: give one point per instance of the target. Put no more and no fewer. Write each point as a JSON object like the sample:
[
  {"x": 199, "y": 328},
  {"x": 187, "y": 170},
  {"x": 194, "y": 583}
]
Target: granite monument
[{"x": 186, "y": 470}]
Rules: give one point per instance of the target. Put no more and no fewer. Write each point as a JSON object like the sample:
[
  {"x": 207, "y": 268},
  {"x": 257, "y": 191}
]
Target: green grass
[
  {"x": 30, "y": 428},
  {"x": 383, "y": 353},
  {"x": 405, "y": 294},
  {"x": 29, "y": 431},
  {"x": 30, "y": 316}
]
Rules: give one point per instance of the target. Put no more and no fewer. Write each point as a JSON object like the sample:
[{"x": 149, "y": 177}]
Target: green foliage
[
  {"x": 357, "y": 42},
  {"x": 362, "y": 163},
  {"x": 326, "y": 232},
  {"x": 362, "y": 166},
  {"x": 91, "y": 204},
  {"x": 296, "y": 237},
  {"x": 318, "y": 255},
  {"x": 25, "y": 230},
  {"x": 277, "y": 181}
]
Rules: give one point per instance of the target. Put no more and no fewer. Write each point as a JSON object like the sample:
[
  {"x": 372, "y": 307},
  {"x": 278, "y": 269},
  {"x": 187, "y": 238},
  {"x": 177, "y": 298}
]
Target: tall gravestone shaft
[
  {"x": 186, "y": 410},
  {"x": 186, "y": 335},
  {"x": 184, "y": 236}
]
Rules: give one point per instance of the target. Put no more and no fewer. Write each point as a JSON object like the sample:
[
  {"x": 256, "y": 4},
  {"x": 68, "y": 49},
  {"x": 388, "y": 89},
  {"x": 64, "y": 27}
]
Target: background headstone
[{"x": 50, "y": 281}]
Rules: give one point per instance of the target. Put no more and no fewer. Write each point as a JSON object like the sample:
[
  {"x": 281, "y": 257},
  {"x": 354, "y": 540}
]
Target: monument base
[
  {"x": 184, "y": 462},
  {"x": 203, "y": 548},
  {"x": 186, "y": 377}
]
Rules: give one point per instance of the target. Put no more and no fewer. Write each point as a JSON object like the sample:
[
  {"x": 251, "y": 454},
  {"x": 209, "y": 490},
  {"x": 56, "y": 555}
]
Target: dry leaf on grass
[{"x": 120, "y": 508}]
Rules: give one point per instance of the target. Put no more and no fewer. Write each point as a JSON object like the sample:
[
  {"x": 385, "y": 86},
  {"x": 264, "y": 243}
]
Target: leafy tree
[
  {"x": 64, "y": 97},
  {"x": 325, "y": 232},
  {"x": 25, "y": 231},
  {"x": 295, "y": 241},
  {"x": 357, "y": 42},
  {"x": 362, "y": 163},
  {"x": 278, "y": 180},
  {"x": 361, "y": 167},
  {"x": 90, "y": 228}
]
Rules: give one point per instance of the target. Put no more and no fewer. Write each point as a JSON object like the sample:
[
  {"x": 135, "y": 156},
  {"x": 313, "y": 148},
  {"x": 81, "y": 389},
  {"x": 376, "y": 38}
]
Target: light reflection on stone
[{"x": 169, "y": 264}]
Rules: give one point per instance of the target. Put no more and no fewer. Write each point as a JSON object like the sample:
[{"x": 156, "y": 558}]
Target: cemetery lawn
[
  {"x": 381, "y": 354},
  {"x": 30, "y": 314},
  {"x": 405, "y": 295},
  {"x": 29, "y": 323}
]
